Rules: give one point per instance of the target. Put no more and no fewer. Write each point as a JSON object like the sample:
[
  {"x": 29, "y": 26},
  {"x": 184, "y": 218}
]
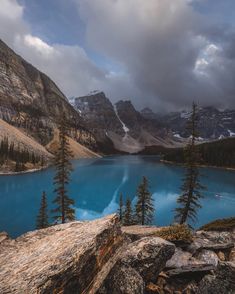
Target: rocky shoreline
[{"x": 102, "y": 257}]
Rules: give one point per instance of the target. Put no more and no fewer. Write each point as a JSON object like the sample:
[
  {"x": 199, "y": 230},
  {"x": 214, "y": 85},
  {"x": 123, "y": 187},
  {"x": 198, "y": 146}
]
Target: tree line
[
  {"x": 10, "y": 151},
  {"x": 219, "y": 153},
  {"x": 143, "y": 211}
]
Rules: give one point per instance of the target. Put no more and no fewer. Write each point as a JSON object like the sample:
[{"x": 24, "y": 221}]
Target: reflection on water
[{"x": 97, "y": 183}]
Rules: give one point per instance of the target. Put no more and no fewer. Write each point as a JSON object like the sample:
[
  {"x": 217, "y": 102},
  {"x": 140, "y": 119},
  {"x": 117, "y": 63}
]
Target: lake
[{"x": 97, "y": 183}]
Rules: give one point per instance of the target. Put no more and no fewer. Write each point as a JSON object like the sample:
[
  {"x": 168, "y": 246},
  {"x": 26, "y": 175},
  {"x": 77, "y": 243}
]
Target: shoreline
[
  {"x": 33, "y": 170},
  {"x": 200, "y": 166},
  {"x": 11, "y": 173}
]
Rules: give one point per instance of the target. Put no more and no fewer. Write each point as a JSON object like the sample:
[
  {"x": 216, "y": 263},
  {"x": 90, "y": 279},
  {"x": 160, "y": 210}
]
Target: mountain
[
  {"x": 213, "y": 123},
  {"x": 121, "y": 125},
  {"x": 31, "y": 102}
]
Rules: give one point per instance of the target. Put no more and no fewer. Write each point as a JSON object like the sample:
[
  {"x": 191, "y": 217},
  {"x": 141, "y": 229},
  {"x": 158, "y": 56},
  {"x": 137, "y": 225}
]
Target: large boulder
[
  {"x": 60, "y": 259},
  {"x": 209, "y": 257},
  {"x": 222, "y": 282},
  {"x": 141, "y": 261},
  {"x": 181, "y": 258}
]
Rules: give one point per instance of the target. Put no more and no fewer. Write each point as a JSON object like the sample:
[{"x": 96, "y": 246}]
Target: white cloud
[
  {"x": 69, "y": 66},
  {"x": 38, "y": 45},
  {"x": 160, "y": 43}
]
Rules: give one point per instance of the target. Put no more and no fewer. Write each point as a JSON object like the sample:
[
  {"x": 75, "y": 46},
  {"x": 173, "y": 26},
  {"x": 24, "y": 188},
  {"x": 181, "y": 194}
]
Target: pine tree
[
  {"x": 120, "y": 210},
  {"x": 144, "y": 208},
  {"x": 64, "y": 212},
  {"x": 189, "y": 200},
  {"x": 128, "y": 215},
  {"x": 42, "y": 218}
]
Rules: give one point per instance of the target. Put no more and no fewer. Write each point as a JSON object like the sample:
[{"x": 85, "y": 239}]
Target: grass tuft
[{"x": 176, "y": 233}]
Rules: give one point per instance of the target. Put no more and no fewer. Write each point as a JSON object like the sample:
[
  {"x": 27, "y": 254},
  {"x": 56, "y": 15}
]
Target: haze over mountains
[{"x": 32, "y": 103}]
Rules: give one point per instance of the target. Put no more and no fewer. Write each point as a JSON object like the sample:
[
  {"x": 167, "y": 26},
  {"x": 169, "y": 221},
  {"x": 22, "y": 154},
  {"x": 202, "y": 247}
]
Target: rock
[
  {"x": 63, "y": 258},
  {"x": 126, "y": 280},
  {"x": 221, "y": 256},
  {"x": 211, "y": 241},
  {"x": 3, "y": 236},
  {"x": 30, "y": 100},
  {"x": 225, "y": 246},
  {"x": 191, "y": 288},
  {"x": 137, "y": 232},
  {"x": 208, "y": 256},
  {"x": 151, "y": 288},
  {"x": 223, "y": 282},
  {"x": 147, "y": 257},
  {"x": 232, "y": 255},
  {"x": 190, "y": 270},
  {"x": 214, "y": 236},
  {"x": 180, "y": 259}
]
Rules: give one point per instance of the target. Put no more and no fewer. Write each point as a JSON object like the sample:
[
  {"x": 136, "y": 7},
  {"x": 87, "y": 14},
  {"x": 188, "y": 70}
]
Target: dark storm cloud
[
  {"x": 160, "y": 53},
  {"x": 173, "y": 53}
]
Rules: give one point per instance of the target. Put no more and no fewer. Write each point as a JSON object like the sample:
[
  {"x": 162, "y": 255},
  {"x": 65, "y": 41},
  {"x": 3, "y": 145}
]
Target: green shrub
[
  {"x": 223, "y": 224},
  {"x": 175, "y": 233}
]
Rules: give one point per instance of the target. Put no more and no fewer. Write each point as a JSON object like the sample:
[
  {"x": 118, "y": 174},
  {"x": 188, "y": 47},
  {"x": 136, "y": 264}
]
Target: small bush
[
  {"x": 176, "y": 233},
  {"x": 223, "y": 224}
]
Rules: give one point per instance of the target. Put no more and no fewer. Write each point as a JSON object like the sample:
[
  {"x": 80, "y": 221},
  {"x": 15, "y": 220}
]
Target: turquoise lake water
[{"x": 97, "y": 183}]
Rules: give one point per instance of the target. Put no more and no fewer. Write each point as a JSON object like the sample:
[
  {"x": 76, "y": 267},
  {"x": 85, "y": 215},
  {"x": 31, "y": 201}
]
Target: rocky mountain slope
[
  {"x": 122, "y": 124},
  {"x": 213, "y": 124},
  {"x": 101, "y": 257},
  {"x": 32, "y": 102},
  {"x": 23, "y": 141}
]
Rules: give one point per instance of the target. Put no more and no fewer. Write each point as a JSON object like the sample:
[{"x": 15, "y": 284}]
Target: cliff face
[
  {"x": 23, "y": 87},
  {"x": 99, "y": 114},
  {"x": 30, "y": 99},
  {"x": 32, "y": 102},
  {"x": 100, "y": 257}
]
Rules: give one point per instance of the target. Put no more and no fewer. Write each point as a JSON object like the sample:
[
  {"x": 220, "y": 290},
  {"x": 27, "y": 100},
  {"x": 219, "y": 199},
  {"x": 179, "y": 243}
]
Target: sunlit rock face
[
  {"x": 31, "y": 100},
  {"x": 60, "y": 259},
  {"x": 80, "y": 257},
  {"x": 101, "y": 257}
]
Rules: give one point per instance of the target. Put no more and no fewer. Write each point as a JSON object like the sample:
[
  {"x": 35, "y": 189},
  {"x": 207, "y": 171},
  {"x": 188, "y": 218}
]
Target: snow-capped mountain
[
  {"x": 213, "y": 123},
  {"x": 121, "y": 124},
  {"x": 130, "y": 130}
]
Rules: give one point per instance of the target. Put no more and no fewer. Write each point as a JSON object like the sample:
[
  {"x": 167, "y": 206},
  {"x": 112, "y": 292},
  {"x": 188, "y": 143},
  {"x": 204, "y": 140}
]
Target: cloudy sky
[{"x": 159, "y": 53}]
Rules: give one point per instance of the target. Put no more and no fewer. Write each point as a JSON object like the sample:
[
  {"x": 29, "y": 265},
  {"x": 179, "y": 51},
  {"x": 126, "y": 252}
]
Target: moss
[
  {"x": 220, "y": 225},
  {"x": 176, "y": 233}
]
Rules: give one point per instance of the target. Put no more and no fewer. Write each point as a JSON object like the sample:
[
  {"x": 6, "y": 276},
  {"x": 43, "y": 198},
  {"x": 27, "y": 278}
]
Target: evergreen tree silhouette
[
  {"x": 144, "y": 208},
  {"x": 189, "y": 200},
  {"x": 42, "y": 218},
  {"x": 120, "y": 210},
  {"x": 128, "y": 215},
  {"x": 64, "y": 211}
]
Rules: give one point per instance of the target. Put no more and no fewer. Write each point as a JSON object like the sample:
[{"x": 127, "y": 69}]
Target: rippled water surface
[{"x": 97, "y": 183}]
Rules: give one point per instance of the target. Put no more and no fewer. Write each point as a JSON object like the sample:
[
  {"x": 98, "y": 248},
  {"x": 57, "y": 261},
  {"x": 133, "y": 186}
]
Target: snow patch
[
  {"x": 231, "y": 134},
  {"x": 177, "y": 136},
  {"x": 185, "y": 114},
  {"x": 125, "y": 128}
]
